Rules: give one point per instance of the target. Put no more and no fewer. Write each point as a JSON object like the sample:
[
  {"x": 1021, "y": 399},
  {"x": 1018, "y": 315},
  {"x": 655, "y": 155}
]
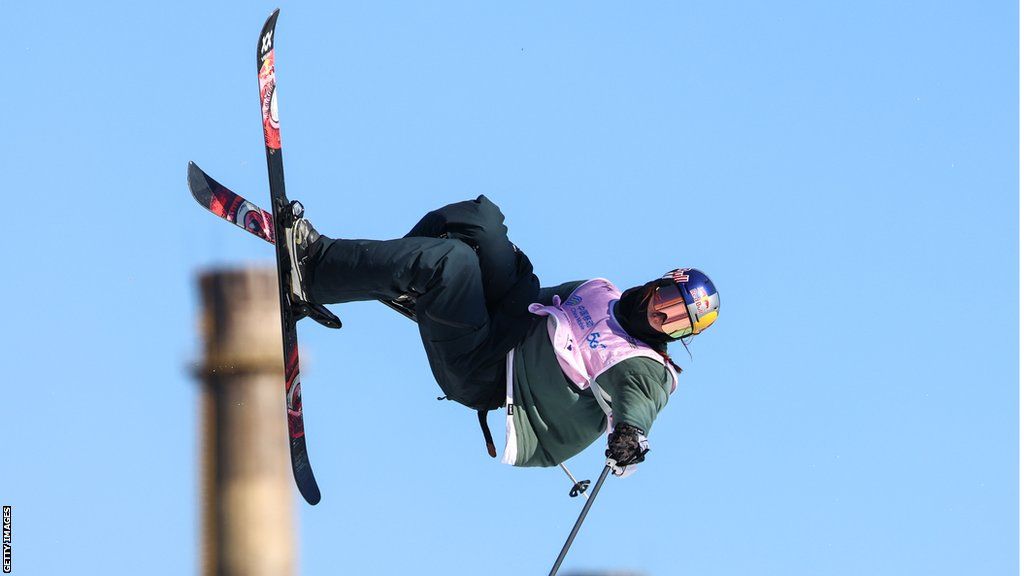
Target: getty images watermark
[{"x": 7, "y": 539}]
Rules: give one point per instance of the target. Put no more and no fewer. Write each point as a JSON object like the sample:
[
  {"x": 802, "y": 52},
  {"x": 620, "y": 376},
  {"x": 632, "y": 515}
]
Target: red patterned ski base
[{"x": 230, "y": 206}]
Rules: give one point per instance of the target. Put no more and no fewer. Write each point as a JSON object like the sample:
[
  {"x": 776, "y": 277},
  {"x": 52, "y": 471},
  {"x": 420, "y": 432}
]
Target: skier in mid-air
[{"x": 571, "y": 362}]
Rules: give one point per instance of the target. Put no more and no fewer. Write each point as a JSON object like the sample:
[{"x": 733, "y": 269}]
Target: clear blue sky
[{"x": 846, "y": 172}]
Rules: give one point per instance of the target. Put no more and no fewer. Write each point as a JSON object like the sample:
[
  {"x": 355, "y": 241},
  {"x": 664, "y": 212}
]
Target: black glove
[{"x": 627, "y": 445}]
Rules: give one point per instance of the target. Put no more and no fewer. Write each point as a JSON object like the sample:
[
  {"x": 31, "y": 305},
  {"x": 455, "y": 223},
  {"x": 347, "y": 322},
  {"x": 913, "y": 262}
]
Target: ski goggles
[
  {"x": 688, "y": 301},
  {"x": 668, "y": 300}
]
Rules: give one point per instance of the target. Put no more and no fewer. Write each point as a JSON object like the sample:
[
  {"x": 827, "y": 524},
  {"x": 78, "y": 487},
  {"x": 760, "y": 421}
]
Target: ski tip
[
  {"x": 265, "y": 44},
  {"x": 199, "y": 184},
  {"x": 272, "y": 19},
  {"x": 194, "y": 173}
]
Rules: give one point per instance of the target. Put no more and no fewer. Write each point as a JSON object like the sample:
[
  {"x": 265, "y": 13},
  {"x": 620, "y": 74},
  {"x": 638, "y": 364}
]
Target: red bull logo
[{"x": 701, "y": 300}]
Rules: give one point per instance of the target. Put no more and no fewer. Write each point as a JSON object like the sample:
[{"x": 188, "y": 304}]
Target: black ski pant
[{"x": 470, "y": 283}]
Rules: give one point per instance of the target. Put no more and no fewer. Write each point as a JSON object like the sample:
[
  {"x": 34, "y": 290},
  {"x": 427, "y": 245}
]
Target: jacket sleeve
[{"x": 639, "y": 388}]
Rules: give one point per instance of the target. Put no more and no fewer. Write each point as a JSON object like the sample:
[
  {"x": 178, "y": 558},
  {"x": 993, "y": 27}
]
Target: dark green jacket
[{"x": 554, "y": 420}]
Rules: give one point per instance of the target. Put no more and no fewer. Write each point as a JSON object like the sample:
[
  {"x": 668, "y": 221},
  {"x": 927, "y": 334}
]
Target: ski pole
[
  {"x": 578, "y": 488},
  {"x": 583, "y": 515}
]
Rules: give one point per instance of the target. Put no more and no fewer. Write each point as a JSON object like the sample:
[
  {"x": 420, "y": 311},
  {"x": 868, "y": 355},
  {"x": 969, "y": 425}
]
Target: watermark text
[{"x": 7, "y": 539}]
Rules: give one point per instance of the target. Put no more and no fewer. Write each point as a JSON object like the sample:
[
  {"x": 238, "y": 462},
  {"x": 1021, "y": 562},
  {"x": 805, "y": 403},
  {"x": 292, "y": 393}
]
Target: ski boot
[{"x": 299, "y": 236}]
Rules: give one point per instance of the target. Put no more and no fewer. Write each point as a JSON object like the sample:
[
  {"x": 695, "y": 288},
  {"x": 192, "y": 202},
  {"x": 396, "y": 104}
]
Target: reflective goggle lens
[{"x": 668, "y": 300}]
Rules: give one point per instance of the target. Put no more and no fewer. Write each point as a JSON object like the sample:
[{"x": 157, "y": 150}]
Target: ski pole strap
[{"x": 491, "y": 450}]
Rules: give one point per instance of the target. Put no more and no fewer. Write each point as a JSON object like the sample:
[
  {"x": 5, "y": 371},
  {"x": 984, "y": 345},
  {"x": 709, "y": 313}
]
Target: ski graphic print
[
  {"x": 216, "y": 198},
  {"x": 281, "y": 215}
]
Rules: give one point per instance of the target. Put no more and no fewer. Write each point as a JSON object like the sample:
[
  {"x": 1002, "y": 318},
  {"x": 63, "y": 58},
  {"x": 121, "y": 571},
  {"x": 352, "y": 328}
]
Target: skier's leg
[
  {"x": 444, "y": 276},
  {"x": 506, "y": 272},
  {"x": 352, "y": 270}
]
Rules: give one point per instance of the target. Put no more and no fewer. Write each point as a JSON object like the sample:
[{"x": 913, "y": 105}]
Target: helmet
[{"x": 688, "y": 300}]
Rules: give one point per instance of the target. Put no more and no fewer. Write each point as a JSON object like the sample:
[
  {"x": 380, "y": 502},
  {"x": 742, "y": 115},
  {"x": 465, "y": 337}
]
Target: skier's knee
[
  {"x": 456, "y": 262},
  {"x": 459, "y": 258}
]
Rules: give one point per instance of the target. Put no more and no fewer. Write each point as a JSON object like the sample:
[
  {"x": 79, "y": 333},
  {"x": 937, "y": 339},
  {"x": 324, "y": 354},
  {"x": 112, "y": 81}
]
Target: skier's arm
[{"x": 639, "y": 389}]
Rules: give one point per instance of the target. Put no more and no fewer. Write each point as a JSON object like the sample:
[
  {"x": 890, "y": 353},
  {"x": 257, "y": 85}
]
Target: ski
[
  {"x": 216, "y": 198},
  {"x": 283, "y": 215},
  {"x": 272, "y": 226},
  {"x": 234, "y": 208}
]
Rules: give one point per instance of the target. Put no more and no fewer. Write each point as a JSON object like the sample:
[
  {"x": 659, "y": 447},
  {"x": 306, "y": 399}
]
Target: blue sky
[{"x": 845, "y": 172}]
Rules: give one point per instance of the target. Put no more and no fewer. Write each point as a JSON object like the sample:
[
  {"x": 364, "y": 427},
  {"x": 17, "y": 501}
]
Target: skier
[{"x": 570, "y": 362}]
